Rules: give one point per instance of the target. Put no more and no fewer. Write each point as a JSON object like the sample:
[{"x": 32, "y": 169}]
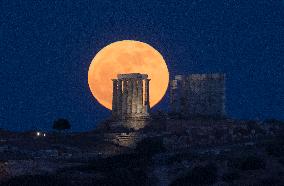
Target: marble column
[
  {"x": 114, "y": 97},
  {"x": 124, "y": 97},
  {"x": 130, "y": 96},
  {"x": 140, "y": 96},
  {"x": 147, "y": 101},
  {"x": 134, "y": 96},
  {"x": 119, "y": 98}
]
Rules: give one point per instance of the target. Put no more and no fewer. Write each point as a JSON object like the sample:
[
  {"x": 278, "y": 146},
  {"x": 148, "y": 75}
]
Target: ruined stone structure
[
  {"x": 198, "y": 95},
  {"x": 123, "y": 139},
  {"x": 130, "y": 98}
]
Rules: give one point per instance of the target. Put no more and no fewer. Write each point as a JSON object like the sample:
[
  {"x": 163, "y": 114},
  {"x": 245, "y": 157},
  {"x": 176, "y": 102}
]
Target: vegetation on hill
[
  {"x": 61, "y": 124},
  {"x": 199, "y": 175},
  {"x": 247, "y": 163},
  {"x": 150, "y": 146},
  {"x": 36, "y": 180}
]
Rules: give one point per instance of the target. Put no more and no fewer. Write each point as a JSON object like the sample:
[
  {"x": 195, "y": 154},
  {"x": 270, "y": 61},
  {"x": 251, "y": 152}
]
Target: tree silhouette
[{"x": 61, "y": 124}]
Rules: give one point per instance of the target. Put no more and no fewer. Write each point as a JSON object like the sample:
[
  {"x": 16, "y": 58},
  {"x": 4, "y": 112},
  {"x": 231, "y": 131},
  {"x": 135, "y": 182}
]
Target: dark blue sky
[{"x": 46, "y": 48}]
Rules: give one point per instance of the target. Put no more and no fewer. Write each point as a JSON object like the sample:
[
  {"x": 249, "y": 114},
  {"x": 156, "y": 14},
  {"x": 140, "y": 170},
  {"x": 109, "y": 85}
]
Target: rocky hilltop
[{"x": 168, "y": 151}]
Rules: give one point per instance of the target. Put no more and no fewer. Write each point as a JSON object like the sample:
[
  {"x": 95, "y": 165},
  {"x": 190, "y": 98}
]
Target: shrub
[
  {"x": 253, "y": 125},
  {"x": 121, "y": 176},
  {"x": 230, "y": 176},
  {"x": 124, "y": 169},
  {"x": 253, "y": 163},
  {"x": 150, "y": 146},
  {"x": 124, "y": 176},
  {"x": 247, "y": 163},
  {"x": 281, "y": 161},
  {"x": 219, "y": 133},
  {"x": 181, "y": 157},
  {"x": 199, "y": 175},
  {"x": 275, "y": 149},
  {"x": 271, "y": 181},
  {"x": 274, "y": 121},
  {"x": 35, "y": 180},
  {"x": 118, "y": 161},
  {"x": 61, "y": 124}
]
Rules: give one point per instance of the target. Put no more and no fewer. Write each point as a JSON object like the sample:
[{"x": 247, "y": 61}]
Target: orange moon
[{"x": 124, "y": 57}]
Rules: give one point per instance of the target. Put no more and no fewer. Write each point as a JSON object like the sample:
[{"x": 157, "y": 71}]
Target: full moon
[{"x": 123, "y": 57}]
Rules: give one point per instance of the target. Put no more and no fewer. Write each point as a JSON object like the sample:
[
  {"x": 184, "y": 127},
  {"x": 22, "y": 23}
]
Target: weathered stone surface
[
  {"x": 140, "y": 96},
  {"x": 147, "y": 95},
  {"x": 114, "y": 98},
  {"x": 198, "y": 94},
  {"x": 128, "y": 104},
  {"x": 132, "y": 76},
  {"x": 119, "y": 97},
  {"x": 124, "y": 99},
  {"x": 123, "y": 139}
]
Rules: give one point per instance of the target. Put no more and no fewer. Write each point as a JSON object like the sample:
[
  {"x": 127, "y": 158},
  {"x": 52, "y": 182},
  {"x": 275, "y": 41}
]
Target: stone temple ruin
[
  {"x": 130, "y": 102},
  {"x": 198, "y": 95},
  {"x": 190, "y": 96},
  {"x": 128, "y": 96},
  {"x": 198, "y": 98}
]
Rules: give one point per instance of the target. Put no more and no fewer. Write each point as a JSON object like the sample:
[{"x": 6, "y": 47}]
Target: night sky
[{"x": 46, "y": 48}]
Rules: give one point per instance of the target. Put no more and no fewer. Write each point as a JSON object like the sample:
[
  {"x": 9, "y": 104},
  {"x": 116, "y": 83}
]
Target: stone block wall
[{"x": 198, "y": 94}]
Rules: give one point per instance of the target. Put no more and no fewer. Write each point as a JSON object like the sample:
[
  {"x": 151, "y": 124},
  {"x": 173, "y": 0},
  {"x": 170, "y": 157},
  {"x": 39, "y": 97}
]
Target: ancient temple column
[
  {"x": 130, "y": 96},
  {"x": 119, "y": 97},
  {"x": 129, "y": 101},
  {"x": 134, "y": 96},
  {"x": 114, "y": 97},
  {"x": 124, "y": 97},
  {"x": 140, "y": 96},
  {"x": 147, "y": 101}
]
